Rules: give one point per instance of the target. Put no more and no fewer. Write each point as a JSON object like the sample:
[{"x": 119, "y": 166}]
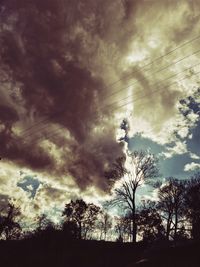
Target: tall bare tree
[{"x": 142, "y": 167}]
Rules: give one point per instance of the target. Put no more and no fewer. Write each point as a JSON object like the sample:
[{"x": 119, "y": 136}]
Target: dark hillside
[
  {"x": 171, "y": 255},
  {"x": 56, "y": 250}
]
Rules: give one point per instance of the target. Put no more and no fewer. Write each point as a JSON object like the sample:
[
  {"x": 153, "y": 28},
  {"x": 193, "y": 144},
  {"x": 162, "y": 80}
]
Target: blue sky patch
[{"x": 30, "y": 184}]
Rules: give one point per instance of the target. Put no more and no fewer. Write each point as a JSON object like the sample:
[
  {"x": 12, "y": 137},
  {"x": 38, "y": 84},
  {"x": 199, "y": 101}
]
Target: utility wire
[
  {"x": 111, "y": 84},
  {"x": 116, "y": 102},
  {"x": 156, "y": 59},
  {"x": 164, "y": 68},
  {"x": 159, "y": 82},
  {"x": 59, "y": 113},
  {"x": 149, "y": 94},
  {"x": 125, "y": 104}
]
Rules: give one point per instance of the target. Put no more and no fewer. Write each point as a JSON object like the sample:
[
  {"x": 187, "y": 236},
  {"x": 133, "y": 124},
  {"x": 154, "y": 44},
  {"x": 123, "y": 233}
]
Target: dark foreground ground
[{"x": 47, "y": 252}]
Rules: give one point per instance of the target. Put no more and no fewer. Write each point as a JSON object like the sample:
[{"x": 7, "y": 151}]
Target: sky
[{"x": 70, "y": 72}]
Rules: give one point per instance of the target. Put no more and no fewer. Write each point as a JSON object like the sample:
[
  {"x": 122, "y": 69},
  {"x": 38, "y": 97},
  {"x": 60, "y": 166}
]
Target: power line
[
  {"x": 114, "y": 103},
  {"x": 164, "y": 68},
  {"x": 125, "y": 104},
  {"x": 140, "y": 68},
  {"x": 156, "y": 59},
  {"x": 43, "y": 121},
  {"x": 49, "y": 135},
  {"x": 159, "y": 82}
]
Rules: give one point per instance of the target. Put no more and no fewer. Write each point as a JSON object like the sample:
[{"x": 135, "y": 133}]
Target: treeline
[
  {"x": 79, "y": 221},
  {"x": 174, "y": 215}
]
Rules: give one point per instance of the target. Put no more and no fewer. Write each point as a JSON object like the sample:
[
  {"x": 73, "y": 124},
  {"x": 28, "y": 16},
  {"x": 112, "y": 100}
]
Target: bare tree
[
  {"x": 104, "y": 224},
  {"x": 123, "y": 228},
  {"x": 142, "y": 168},
  {"x": 192, "y": 205},
  {"x": 119, "y": 228},
  {"x": 44, "y": 224},
  {"x": 171, "y": 205},
  {"x": 89, "y": 221}
]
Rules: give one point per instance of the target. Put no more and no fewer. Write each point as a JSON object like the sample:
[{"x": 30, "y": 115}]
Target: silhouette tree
[
  {"x": 171, "y": 206},
  {"x": 90, "y": 219},
  {"x": 123, "y": 227},
  {"x": 119, "y": 229},
  {"x": 149, "y": 222},
  {"x": 127, "y": 221},
  {"x": 83, "y": 215},
  {"x": 75, "y": 212},
  {"x": 9, "y": 227},
  {"x": 192, "y": 204},
  {"x": 142, "y": 167},
  {"x": 45, "y": 226},
  {"x": 104, "y": 224},
  {"x": 44, "y": 222}
]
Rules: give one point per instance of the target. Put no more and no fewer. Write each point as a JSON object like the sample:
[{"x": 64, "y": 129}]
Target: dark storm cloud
[
  {"x": 44, "y": 46},
  {"x": 95, "y": 156},
  {"x": 24, "y": 155},
  {"x": 8, "y": 116}
]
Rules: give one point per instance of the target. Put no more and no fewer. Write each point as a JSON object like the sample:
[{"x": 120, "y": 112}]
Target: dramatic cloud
[
  {"x": 45, "y": 49},
  {"x": 71, "y": 71}
]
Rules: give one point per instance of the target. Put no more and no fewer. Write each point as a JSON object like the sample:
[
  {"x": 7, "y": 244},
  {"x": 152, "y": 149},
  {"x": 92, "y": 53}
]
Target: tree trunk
[
  {"x": 134, "y": 225},
  {"x": 134, "y": 230},
  {"x": 168, "y": 227}
]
